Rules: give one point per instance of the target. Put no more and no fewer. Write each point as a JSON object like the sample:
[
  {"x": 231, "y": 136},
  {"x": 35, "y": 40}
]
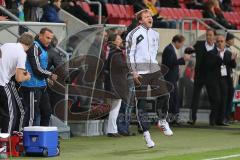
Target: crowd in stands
[{"x": 42, "y": 10}]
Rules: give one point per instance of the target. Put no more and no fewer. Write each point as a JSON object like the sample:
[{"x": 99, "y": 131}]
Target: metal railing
[
  {"x": 99, "y": 10},
  {"x": 9, "y": 14}
]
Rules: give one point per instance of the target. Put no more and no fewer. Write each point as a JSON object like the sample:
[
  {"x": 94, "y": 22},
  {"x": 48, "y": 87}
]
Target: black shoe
[
  {"x": 223, "y": 124},
  {"x": 191, "y": 122},
  {"x": 212, "y": 124},
  {"x": 127, "y": 134},
  {"x": 113, "y": 135}
]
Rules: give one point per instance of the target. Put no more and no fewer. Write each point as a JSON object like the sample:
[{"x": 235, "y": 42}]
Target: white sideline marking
[{"x": 225, "y": 157}]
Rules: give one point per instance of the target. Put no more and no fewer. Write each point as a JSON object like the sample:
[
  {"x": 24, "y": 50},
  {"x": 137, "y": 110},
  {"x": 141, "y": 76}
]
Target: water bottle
[{"x": 3, "y": 151}]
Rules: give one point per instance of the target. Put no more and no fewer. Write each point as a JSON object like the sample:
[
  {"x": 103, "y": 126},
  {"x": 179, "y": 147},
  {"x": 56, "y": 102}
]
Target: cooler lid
[
  {"x": 40, "y": 128},
  {"x": 4, "y": 135}
]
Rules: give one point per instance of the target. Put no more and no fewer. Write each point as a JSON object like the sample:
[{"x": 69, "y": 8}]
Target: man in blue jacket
[
  {"x": 171, "y": 60},
  {"x": 50, "y": 12},
  {"x": 33, "y": 92}
]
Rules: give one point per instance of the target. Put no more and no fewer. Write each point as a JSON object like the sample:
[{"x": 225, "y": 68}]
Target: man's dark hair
[
  {"x": 178, "y": 38},
  {"x": 45, "y": 29},
  {"x": 211, "y": 30},
  {"x": 229, "y": 36}
]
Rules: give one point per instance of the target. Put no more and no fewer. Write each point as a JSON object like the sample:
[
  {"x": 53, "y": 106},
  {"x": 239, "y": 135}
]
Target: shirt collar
[
  {"x": 174, "y": 47},
  {"x": 221, "y": 51},
  {"x": 41, "y": 44},
  {"x": 144, "y": 27},
  {"x": 207, "y": 45}
]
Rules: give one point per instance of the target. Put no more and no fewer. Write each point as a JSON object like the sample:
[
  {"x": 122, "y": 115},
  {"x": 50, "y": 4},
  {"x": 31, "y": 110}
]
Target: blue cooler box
[{"x": 41, "y": 140}]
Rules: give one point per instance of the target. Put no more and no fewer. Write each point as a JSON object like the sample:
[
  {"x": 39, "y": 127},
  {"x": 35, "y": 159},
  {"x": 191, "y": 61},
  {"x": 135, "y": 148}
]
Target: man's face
[
  {"x": 147, "y": 19},
  {"x": 210, "y": 37},
  {"x": 46, "y": 38},
  {"x": 26, "y": 47},
  {"x": 179, "y": 45},
  {"x": 220, "y": 42},
  {"x": 118, "y": 41},
  {"x": 230, "y": 42},
  {"x": 58, "y": 3}
]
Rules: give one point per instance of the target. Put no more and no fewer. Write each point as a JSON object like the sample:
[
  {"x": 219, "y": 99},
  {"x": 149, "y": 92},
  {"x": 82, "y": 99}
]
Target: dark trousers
[
  {"x": 230, "y": 99},
  {"x": 224, "y": 100},
  {"x": 36, "y": 101},
  {"x": 174, "y": 100},
  {"x": 11, "y": 109},
  {"x": 213, "y": 92},
  {"x": 124, "y": 116},
  {"x": 162, "y": 89}
]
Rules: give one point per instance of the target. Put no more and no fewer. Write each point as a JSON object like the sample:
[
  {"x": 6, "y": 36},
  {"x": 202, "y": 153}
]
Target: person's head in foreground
[{"x": 26, "y": 39}]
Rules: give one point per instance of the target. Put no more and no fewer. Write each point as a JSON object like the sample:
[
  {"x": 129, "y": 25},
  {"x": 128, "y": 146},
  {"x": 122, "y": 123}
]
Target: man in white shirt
[
  {"x": 228, "y": 63},
  {"x": 142, "y": 49},
  {"x": 207, "y": 73},
  {"x": 12, "y": 62}
]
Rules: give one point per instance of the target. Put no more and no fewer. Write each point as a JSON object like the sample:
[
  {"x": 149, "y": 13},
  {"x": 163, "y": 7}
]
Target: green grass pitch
[{"x": 186, "y": 144}]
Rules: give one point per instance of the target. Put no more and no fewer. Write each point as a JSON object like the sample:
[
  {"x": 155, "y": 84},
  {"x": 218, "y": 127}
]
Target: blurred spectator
[
  {"x": 50, "y": 12},
  {"x": 20, "y": 7},
  {"x": 95, "y": 7},
  {"x": 170, "y": 3},
  {"x": 229, "y": 43},
  {"x": 124, "y": 2},
  {"x": 158, "y": 20},
  {"x": 54, "y": 61},
  {"x": 226, "y": 5},
  {"x": 214, "y": 12},
  {"x": 75, "y": 9},
  {"x": 33, "y": 10},
  {"x": 2, "y": 3},
  {"x": 3, "y": 18},
  {"x": 194, "y": 4}
]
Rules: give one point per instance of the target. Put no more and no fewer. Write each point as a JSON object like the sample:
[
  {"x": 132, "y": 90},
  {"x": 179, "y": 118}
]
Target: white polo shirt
[{"x": 12, "y": 56}]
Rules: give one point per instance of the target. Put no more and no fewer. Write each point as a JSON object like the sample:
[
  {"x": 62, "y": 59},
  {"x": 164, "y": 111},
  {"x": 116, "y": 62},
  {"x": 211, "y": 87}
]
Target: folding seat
[
  {"x": 164, "y": 12},
  {"x": 187, "y": 13},
  {"x": 112, "y": 15},
  {"x": 130, "y": 10},
  {"x": 176, "y": 13}
]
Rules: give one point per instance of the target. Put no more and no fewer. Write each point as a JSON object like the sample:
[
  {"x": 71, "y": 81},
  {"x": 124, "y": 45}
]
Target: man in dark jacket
[
  {"x": 50, "y": 12},
  {"x": 170, "y": 59},
  {"x": 54, "y": 61},
  {"x": 228, "y": 63},
  {"x": 207, "y": 73},
  {"x": 229, "y": 44}
]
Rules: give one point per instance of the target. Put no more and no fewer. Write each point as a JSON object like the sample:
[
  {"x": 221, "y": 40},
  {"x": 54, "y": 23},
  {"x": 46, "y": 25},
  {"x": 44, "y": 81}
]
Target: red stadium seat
[
  {"x": 130, "y": 10},
  {"x": 112, "y": 15},
  {"x": 187, "y": 13},
  {"x": 117, "y": 10},
  {"x": 164, "y": 12}
]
